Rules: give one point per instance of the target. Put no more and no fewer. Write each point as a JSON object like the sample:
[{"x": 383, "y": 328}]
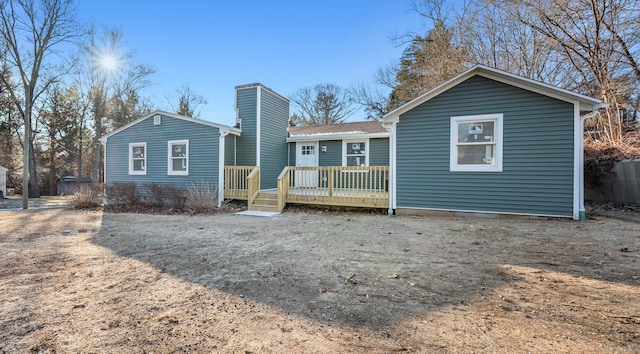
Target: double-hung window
[
  {"x": 355, "y": 153},
  {"x": 476, "y": 143},
  {"x": 178, "y": 164},
  {"x": 138, "y": 158}
]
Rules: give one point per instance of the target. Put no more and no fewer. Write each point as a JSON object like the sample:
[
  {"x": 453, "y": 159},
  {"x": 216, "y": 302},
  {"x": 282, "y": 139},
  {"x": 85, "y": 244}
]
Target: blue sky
[{"x": 213, "y": 46}]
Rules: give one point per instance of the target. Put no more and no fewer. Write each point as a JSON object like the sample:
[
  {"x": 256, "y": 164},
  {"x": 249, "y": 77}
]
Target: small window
[
  {"x": 476, "y": 143},
  {"x": 355, "y": 153},
  {"x": 308, "y": 149},
  {"x": 157, "y": 119},
  {"x": 178, "y": 158},
  {"x": 138, "y": 158}
]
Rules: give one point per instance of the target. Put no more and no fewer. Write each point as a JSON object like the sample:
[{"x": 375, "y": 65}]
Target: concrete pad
[{"x": 257, "y": 213}]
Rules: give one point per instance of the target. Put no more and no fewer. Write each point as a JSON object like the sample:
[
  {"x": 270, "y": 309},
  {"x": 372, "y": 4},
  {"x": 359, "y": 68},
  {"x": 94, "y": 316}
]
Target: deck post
[{"x": 331, "y": 174}]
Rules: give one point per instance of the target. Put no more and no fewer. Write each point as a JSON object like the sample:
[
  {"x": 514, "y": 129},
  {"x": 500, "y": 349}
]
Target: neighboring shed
[
  {"x": 3, "y": 181},
  {"x": 491, "y": 142},
  {"x": 344, "y": 144},
  {"x": 167, "y": 148},
  {"x": 67, "y": 185}
]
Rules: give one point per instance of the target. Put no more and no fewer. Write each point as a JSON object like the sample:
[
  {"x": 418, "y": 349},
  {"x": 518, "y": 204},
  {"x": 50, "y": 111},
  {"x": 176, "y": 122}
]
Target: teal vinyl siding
[
  {"x": 203, "y": 152},
  {"x": 537, "y": 176},
  {"x": 230, "y": 150},
  {"x": 379, "y": 152},
  {"x": 292, "y": 154},
  {"x": 333, "y": 155},
  {"x": 274, "y": 120},
  {"x": 246, "y": 101}
]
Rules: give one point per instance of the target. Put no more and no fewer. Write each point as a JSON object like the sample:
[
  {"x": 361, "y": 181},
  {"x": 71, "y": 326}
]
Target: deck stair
[{"x": 265, "y": 202}]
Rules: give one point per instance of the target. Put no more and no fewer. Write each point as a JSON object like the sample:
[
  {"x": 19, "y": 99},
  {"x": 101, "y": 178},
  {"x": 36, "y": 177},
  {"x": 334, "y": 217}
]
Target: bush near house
[{"x": 89, "y": 197}]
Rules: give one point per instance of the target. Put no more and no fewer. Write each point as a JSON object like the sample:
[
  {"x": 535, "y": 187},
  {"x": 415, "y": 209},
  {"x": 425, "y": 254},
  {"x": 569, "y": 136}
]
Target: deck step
[
  {"x": 262, "y": 207},
  {"x": 265, "y": 202}
]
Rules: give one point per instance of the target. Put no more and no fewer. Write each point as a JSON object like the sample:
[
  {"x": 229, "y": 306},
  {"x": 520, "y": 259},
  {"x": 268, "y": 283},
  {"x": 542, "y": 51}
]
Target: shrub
[
  {"x": 173, "y": 196},
  {"x": 202, "y": 196},
  {"x": 123, "y": 193},
  {"x": 158, "y": 193},
  {"x": 88, "y": 197}
]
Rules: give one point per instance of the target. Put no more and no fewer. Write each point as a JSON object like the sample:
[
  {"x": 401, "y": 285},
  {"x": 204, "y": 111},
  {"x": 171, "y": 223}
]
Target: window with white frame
[
  {"x": 355, "y": 153},
  {"x": 138, "y": 158},
  {"x": 476, "y": 143},
  {"x": 178, "y": 158}
]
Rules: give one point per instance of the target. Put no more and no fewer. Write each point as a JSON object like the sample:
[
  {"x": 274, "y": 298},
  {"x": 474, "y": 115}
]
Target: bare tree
[
  {"x": 31, "y": 30},
  {"x": 323, "y": 104},
  {"x": 111, "y": 81},
  {"x": 597, "y": 38},
  {"x": 189, "y": 102}
]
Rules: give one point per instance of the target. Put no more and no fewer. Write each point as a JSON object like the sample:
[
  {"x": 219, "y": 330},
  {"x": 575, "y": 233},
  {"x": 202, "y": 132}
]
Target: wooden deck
[{"x": 329, "y": 185}]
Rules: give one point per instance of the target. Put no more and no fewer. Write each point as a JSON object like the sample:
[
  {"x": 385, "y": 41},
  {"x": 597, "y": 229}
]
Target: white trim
[
  {"x": 484, "y": 212},
  {"x": 391, "y": 127},
  {"x": 157, "y": 119},
  {"x": 170, "y": 171},
  {"x": 586, "y": 103},
  {"x": 221, "y": 152},
  {"x": 577, "y": 158},
  {"x": 496, "y": 166},
  {"x": 258, "y": 116},
  {"x": 336, "y": 136},
  {"x": 232, "y": 130},
  {"x": 366, "y": 150},
  {"x": 132, "y": 172}
]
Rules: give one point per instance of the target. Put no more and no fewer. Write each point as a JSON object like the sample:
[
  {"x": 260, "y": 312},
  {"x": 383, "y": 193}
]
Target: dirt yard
[{"x": 93, "y": 282}]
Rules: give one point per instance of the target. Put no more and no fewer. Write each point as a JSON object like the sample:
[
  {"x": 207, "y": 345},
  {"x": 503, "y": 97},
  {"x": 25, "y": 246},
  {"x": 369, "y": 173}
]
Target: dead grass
[{"x": 87, "y": 281}]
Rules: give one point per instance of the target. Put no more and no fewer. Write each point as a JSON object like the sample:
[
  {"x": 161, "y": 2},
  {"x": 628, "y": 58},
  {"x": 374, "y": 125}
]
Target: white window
[
  {"x": 178, "y": 158},
  {"x": 476, "y": 143},
  {"x": 138, "y": 158},
  {"x": 355, "y": 153}
]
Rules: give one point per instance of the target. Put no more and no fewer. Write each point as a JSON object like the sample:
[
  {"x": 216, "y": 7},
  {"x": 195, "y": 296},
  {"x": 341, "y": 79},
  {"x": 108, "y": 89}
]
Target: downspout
[
  {"x": 391, "y": 127},
  {"x": 593, "y": 113},
  {"x": 221, "y": 145}
]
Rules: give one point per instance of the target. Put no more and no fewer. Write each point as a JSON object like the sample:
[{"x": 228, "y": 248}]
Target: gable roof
[
  {"x": 371, "y": 129},
  {"x": 222, "y": 127},
  {"x": 586, "y": 103}
]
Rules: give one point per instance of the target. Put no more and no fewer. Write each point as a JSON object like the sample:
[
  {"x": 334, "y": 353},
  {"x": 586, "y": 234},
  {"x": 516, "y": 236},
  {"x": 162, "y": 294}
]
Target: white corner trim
[
  {"x": 170, "y": 171},
  {"x": 221, "y": 153},
  {"x": 578, "y": 183},
  {"x": 258, "y": 116},
  {"x": 131, "y": 170},
  {"x": 392, "y": 166}
]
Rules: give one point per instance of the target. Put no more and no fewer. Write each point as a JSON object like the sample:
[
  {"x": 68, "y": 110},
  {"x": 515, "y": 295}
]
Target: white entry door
[{"x": 306, "y": 156}]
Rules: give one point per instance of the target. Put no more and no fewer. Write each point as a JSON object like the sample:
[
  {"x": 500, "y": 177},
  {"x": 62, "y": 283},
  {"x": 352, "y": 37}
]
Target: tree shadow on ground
[{"x": 353, "y": 269}]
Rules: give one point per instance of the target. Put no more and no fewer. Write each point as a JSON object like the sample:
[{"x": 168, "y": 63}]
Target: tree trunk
[
  {"x": 52, "y": 172},
  {"x": 97, "y": 160},
  {"x": 34, "y": 187}
]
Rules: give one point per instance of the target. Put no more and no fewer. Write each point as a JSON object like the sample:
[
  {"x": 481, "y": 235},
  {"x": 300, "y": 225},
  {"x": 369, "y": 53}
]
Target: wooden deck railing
[
  {"x": 253, "y": 185},
  {"x": 235, "y": 181},
  {"x": 283, "y": 187},
  {"x": 357, "y": 186}
]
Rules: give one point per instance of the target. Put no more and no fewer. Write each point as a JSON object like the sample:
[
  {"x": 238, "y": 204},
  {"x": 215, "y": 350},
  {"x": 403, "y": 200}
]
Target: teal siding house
[
  {"x": 486, "y": 141},
  {"x": 345, "y": 144},
  {"x": 167, "y": 148},
  {"x": 491, "y": 142}
]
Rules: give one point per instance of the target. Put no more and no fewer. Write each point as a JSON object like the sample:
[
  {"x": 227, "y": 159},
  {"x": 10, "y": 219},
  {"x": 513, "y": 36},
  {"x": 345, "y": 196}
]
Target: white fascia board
[
  {"x": 343, "y": 136},
  {"x": 586, "y": 103},
  {"x": 232, "y": 130}
]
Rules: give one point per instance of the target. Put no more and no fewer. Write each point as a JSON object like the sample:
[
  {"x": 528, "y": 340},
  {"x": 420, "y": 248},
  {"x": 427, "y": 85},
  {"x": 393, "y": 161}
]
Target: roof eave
[
  {"x": 501, "y": 76},
  {"x": 344, "y": 136}
]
